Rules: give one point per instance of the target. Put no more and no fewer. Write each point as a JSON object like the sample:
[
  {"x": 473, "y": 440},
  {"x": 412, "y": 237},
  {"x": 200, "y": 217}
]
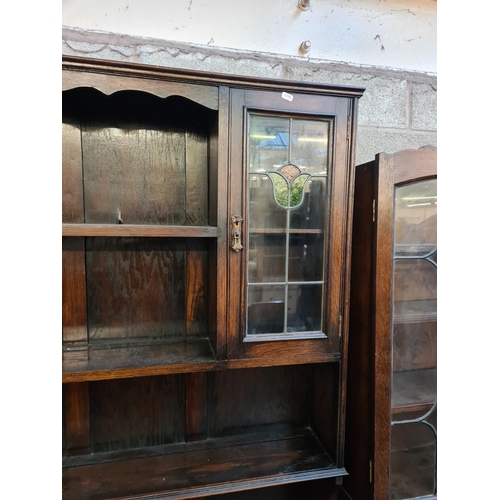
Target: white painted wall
[{"x": 398, "y": 34}]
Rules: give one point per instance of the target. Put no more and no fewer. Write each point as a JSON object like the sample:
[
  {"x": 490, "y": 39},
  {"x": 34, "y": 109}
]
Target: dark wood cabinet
[
  {"x": 206, "y": 258},
  {"x": 392, "y": 373}
]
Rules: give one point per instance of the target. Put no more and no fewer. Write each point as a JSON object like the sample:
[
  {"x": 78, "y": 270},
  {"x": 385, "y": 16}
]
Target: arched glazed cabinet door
[
  {"x": 414, "y": 341},
  {"x": 391, "y": 438}
]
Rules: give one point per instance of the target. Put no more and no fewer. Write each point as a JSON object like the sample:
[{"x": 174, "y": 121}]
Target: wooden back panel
[{"x": 142, "y": 159}]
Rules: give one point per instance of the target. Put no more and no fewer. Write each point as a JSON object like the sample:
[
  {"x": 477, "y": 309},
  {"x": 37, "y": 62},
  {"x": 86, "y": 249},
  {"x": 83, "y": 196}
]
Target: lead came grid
[{"x": 287, "y": 177}]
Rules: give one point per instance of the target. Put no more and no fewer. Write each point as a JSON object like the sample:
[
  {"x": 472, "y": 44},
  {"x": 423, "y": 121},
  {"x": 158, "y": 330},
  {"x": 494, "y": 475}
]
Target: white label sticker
[{"x": 287, "y": 96}]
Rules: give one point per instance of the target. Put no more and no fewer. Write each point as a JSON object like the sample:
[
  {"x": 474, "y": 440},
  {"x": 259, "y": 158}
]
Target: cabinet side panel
[
  {"x": 382, "y": 313},
  {"x": 359, "y": 406},
  {"x": 325, "y": 397},
  {"x": 74, "y": 296},
  {"x": 272, "y": 399},
  {"x": 139, "y": 412}
]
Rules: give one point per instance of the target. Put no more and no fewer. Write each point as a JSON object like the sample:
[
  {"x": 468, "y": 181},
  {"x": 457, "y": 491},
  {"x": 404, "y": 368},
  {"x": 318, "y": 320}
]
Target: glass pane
[
  {"x": 286, "y": 219},
  {"x": 416, "y": 218},
  {"x": 266, "y": 258},
  {"x": 415, "y": 280},
  {"x": 414, "y": 341},
  {"x": 263, "y": 212},
  {"x": 413, "y": 460},
  {"x": 415, "y": 390},
  {"x": 268, "y": 143},
  {"x": 266, "y": 309},
  {"x": 311, "y": 213},
  {"x": 305, "y": 258},
  {"x": 310, "y": 145},
  {"x": 304, "y": 308}
]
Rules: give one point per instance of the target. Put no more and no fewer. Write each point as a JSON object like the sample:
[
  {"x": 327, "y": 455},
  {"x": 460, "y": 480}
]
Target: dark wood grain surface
[
  {"x": 411, "y": 165},
  {"x": 74, "y": 291},
  {"x": 360, "y": 363},
  {"x": 136, "y": 288},
  {"x": 77, "y": 419},
  {"x": 109, "y": 84},
  {"x": 198, "y": 473},
  {"x": 85, "y": 70},
  {"x": 140, "y": 230},
  {"x": 72, "y": 173},
  {"x": 244, "y": 400},
  {"x": 137, "y": 360},
  {"x": 138, "y": 412}
]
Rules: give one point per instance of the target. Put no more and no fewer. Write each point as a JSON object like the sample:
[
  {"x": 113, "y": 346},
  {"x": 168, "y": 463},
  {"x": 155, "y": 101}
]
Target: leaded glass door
[
  {"x": 414, "y": 342},
  {"x": 289, "y": 182}
]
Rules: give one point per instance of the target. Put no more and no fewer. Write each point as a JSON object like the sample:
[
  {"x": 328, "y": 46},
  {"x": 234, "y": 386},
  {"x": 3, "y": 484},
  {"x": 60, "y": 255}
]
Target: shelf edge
[{"x": 140, "y": 230}]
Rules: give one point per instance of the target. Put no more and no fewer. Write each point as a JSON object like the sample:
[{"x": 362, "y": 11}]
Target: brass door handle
[{"x": 236, "y": 234}]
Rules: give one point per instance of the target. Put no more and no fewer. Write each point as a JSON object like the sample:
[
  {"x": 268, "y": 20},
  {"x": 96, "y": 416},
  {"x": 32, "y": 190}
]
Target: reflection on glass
[
  {"x": 310, "y": 145},
  {"x": 414, "y": 342},
  {"x": 266, "y": 257},
  {"x": 414, "y": 280},
  {"x": 304, "y": 308},
  {"x": 266, "y": 309},
  {"x": 310, "y": 214},
  {"x": 268, "y": 143},
  {"x": 305, "y": 257},
  {"x": 287, "y": 168},
  {"x": 416, "y": 219},
  {"x": 263, "y": 212},
  {"x": 413, "y": 460}
]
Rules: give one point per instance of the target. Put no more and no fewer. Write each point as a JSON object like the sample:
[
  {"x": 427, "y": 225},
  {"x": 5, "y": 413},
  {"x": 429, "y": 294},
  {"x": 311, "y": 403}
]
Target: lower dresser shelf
[{"x": 199, "y": 469}]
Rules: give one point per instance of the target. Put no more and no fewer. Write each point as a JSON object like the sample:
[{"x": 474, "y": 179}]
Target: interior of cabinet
[
  {"x": 140, "y": 231},
  {"x": 199, "y": 433}
]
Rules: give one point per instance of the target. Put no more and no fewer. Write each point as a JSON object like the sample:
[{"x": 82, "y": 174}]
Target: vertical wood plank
[
  {"x": 137, "y": 412},
  {"x": 324, "y": 415},
  {"x": 76, "y": 400},
  {"x": 134, "y": 161},
  {"x": 235, "y": 281},
  {"x": 136, "y": 288},
  {"x": 382, "y": 293},
  {"x": 359, "y": 387},
  {"x": 196, "y": 288},
  {"x": 74, "y": 294},
  {"x": 218, "y": 216},
  {"x": 196, "y": 214},
  {"x": 253, "y": 400},
  {"x": 196, "y": 406},
  {"x": 72, "y": 181},
  {"x": 196, "y": 177},
  {"x": 343, "y": 330}
]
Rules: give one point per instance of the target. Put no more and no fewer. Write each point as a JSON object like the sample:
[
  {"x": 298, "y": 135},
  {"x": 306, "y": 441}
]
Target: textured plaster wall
[
  {"x": 399, "y": 34},
  {"x": 397, "y": 110}
]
